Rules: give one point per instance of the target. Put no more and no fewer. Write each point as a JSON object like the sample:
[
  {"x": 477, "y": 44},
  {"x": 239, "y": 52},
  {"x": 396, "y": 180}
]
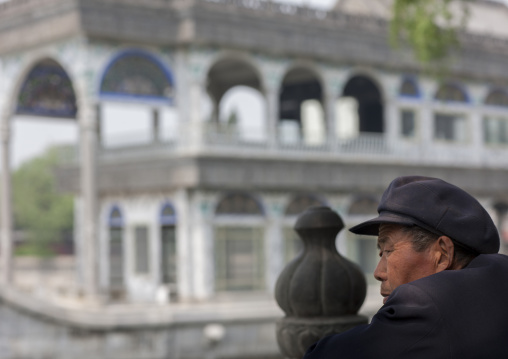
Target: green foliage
[
  {"x": 429, "y": 27},
  {"x": 39, "y": 210}
]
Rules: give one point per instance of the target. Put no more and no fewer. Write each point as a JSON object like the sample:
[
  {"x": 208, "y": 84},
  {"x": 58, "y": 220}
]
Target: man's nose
[{"x": 380, "y": 272}]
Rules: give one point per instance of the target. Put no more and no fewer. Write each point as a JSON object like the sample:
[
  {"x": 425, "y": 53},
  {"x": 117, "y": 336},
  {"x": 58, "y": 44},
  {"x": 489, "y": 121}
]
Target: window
[
  {"x": 408, "y": 88},
  {"x": 116, "y": 265},
  {"x": 47, "y": 91},
  {"x": 450, "y": 127},
  {"x": 168, "y": 247},
  {"x": 495, "y": 130},
  {"x": 239, "y": 259},
  {"x": 141, "y": 259},
  {"x": 238, "y": 204},
  {"x": 239, "y": 244},
  {"x": 497, "y": 98},
  {"x": 451, "y": 93},
  {"x": 408, "y": 123},
  {"x": 168, "y": 253},
  {"x": 138, "y": 74}
]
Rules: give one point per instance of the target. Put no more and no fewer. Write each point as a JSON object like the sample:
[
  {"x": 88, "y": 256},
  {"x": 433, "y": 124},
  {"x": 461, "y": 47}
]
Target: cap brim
[{"x": 371, "y": 227}]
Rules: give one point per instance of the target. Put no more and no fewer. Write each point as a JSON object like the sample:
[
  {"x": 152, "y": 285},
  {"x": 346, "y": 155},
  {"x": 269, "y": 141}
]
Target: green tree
[
  {"x": 40, "y": 212},
  {"x": 429, "y": 27}
]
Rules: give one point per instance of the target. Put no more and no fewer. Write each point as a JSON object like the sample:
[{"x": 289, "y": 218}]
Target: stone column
[
  {"x": 320, "y": 291},
  {"x": 98, "y": 111},
  {"x": 272, "y": 116},
  {"x": 155, "y": 125},
  {"x": 196, "y": 122},
  {"x": 6, "y": 206},
  {"x": 330, "y": 100},
  {"x": 476, "y": 125},
  {"x": 89, "y": 237},
  {"x": 426, "y": 120}
]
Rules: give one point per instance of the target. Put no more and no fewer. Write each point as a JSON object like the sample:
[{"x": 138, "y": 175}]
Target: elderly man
[{"x": 445, "y": 289}]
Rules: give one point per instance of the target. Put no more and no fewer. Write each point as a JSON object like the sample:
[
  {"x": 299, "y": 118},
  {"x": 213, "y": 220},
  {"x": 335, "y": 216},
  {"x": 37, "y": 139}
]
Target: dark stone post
[{"x": 320, "y": 291}]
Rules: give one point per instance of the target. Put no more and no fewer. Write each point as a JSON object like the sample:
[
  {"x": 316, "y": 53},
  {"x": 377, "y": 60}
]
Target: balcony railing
[{"x": 230, "y": 141}]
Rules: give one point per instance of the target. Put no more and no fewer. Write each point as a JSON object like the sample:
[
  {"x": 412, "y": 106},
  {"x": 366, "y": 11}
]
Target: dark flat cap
[{"x": 438, "y": 207}]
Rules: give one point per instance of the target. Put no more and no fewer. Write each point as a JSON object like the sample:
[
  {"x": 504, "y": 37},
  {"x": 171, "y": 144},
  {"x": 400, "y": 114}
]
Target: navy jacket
[{"x": 457, "y": 314}]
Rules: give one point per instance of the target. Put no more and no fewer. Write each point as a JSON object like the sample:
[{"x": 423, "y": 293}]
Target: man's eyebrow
[{"x": 381, "y": 240}]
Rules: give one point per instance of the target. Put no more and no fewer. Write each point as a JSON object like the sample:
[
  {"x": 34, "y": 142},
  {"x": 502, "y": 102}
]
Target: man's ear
[{"x": 444, "y": 253}]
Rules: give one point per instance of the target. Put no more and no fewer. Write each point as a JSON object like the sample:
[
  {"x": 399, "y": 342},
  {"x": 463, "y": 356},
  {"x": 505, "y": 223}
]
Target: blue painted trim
[
  {"x": 115, "y": 222},
  {"x": 38, "y": 70},
  {"x": 148, "y": 56},
  {"x": 167, "y": 220}
]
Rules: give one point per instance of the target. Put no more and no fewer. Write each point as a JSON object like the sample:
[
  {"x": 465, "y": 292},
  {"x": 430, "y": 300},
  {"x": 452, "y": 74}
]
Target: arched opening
[
  {"x": 116, "y": 253},
  {"x": 44, "y": 134},
  {"x": 242, "y": 112},
  {"x": 497, "y": 97},
  {"x": 298, "y": 204},
  {"x": 136, "y": 92},
  {"x": 451, "y": 92},
  {"x": 409, "y": 88},
  {"x": 495, "y": 123},
  {"x": 239, "y": 244},
  {"x": 301, "y": 111},
  {"x": 169, "y": 268},
  {"x": 360, "y": 109},
  {"x": 450, "y": 125},
  {"x": 238, "y": 103}
]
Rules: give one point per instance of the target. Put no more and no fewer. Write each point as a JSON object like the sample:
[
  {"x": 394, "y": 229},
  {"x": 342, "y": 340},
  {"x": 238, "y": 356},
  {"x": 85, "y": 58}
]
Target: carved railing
[{"x": 212, "y": 138}]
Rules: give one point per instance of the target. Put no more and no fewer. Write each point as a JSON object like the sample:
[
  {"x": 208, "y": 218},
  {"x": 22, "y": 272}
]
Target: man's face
[{"x": 399, "y": 263}]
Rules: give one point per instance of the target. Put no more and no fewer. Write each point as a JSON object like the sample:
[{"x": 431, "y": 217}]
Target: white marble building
[{"x": 193, "y": 209}]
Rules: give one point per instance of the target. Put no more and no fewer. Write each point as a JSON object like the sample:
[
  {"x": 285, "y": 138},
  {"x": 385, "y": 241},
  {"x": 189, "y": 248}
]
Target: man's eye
[{"x": 385, "y": 251}]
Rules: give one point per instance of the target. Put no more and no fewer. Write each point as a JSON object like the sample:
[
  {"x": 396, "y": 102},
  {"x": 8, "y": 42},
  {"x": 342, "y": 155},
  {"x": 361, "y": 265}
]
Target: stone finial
[{"x": 320, "y": 291}]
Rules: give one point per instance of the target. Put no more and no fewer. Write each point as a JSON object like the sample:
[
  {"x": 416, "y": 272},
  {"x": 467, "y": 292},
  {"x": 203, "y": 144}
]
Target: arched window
[
  {"x": 241, "y": 122},
  {"x": 495, "y": 125},
  {"x": 137, "y": 74},
  {"x": 409, "y": 88},
  {"x": 292, "y": 242},
  {"x": 169, "y": 267},
  {"x": 116, "y": 252},
  {"x": 239, "y": 244},
  {"x": 239, "y": 204},
  {"x": 47, "y": 91},
  {"x": 450, "y": 126},
  {"x": 360, "y": 109},
  {"x": 301, "y": 111},
  {"x": 497, "y": 97},
  {"x": 231, "y": 84},
  {"x": 451, "y": 93}
]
